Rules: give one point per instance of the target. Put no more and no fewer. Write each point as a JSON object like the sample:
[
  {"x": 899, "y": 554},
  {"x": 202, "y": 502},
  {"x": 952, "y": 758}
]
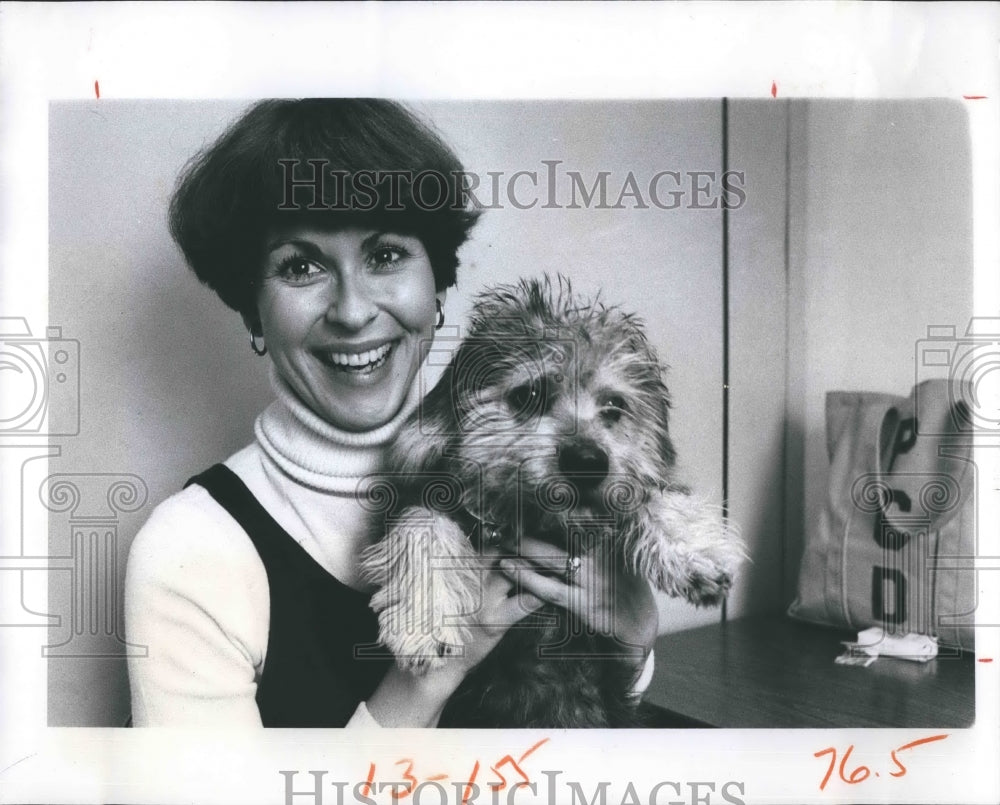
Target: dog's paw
[
  {"x": 688, "y": 551},
  {"x": 428, "y": 578},
  {"x": 706, "y": 584},
  {"x": 414, "y": 629},
  {"x": 695, "y": 578},
  {"x": 419, "y": 652},
  {"x": 713, "y": 567}
]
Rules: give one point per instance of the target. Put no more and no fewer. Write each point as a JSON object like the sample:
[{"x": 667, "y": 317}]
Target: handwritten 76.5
[{"x": 861, "y": 773}]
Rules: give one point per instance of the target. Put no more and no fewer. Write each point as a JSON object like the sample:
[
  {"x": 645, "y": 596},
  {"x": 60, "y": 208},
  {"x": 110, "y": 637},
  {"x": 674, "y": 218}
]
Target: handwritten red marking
[
  {"x": 472, "y": 781},
  {"x": 503, "y": 780},
  {"x": 774, "y": 89},
  {"x": 921, "y": 741},
  {"x": 974, "y": 97},
  {"x": 830, "y": 750},
  {"x": 97, "y": 90},
  {"x": 862, "y": 773},
  {"x": 368, "y": 783},
  {"x": 408, "y": 777},
  {"x": 910, "y": 745},
  {"x": 507, "y": 759},
  {"x": 985, "y": 659},
  {"x": 532, "y": 749},
  {"x": 410, "y": 782},
  {"x": 859, "y": 775}
]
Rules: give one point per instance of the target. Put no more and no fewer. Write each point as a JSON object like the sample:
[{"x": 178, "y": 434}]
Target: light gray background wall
[
  {"x": 856, "y": 235},
  {"x": 168, "y": 382},
  {"x": 880, "y": 248}
]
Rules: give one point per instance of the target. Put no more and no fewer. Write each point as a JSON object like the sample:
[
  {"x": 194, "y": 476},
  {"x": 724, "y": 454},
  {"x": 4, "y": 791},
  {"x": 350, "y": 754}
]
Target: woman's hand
[
  {"x": 415, "y": 699},
  {"x": 501, "y": 608},
  {"x": 609, "y": 599}
]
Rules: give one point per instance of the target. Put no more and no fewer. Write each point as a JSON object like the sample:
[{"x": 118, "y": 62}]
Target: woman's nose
[{"x": 352, "y": 305}]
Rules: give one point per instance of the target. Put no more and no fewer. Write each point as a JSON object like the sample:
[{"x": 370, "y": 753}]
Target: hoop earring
[
  {"x": 440, "y": 318},
  {"x": 253, "y": 345}
]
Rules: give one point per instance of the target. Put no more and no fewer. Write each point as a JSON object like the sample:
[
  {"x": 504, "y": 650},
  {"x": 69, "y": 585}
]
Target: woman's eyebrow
[
  {"x": 373, "y": 238},
  {"x": 408, "y": 240},
  {"x": 309, "y": 248}
]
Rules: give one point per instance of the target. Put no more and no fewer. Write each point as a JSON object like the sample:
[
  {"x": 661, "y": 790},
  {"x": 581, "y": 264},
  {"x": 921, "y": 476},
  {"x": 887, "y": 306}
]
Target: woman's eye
[
  {"x": 386, "y": 256},
  {"x": 298, "y": 268}
]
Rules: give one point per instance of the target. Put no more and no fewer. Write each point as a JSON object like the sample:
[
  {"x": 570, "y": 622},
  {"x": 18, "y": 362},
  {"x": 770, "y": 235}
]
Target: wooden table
[{"x": 775, "y": 672}]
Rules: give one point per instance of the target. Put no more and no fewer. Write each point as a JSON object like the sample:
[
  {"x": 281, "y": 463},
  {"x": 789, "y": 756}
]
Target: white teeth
[{"x": 358, "y": 359}]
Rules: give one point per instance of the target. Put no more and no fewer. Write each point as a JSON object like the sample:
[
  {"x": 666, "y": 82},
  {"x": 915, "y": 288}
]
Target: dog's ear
[
  {"x": 649, "y": 374},
  {"x": 667, "y": 452},
  {"x": 430, "y": 430}
]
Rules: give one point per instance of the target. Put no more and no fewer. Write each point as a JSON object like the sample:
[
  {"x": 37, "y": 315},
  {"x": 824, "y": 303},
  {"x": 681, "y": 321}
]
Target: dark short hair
[{"x": 257, "y": 176}]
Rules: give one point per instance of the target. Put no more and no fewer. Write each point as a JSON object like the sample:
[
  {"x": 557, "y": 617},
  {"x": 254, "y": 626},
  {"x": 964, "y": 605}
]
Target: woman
[{"x": 332, "y": 227}]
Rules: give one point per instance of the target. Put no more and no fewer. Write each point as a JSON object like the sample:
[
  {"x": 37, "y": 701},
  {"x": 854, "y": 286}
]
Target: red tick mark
[
  {"x": 985, "y": 659},
  {"x": 774, "y": 89},
  {"x": 97, "y": 90},
  {"x": 974, "y": 97}
]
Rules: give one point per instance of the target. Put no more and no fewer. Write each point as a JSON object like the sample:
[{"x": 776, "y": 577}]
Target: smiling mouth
[{"x": 359, "y": 362}]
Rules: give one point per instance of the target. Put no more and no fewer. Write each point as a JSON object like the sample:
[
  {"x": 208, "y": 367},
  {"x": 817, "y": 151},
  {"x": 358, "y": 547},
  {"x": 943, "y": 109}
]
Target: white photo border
[{"x": 476, "y": 51}]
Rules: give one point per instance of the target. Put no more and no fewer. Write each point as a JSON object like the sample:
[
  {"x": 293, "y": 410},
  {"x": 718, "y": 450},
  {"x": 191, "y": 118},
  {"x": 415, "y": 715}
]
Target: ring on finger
[
  {"x": 491, "y": 535},
  {"x": 573, "y": 564}
]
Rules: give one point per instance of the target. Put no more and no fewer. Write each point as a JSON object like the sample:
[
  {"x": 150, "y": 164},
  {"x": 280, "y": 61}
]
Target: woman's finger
[
  {"x": 578, "y": 571},
  {"x": 585, "y": 598},
  {"x": 518, "y": 607},
  {"x": 533, "y": 545},
  {"x": 550, "y": 589},
  {"x": 543, "y": 554},
  {"x": 572, "y": 567},
  {"x": 496, "y": 585},
  {"x": 554, "y": 560}
]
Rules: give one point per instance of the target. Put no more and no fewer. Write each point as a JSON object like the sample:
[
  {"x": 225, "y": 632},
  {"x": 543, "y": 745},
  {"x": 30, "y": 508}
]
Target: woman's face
[{"x": 347, "y": 317}]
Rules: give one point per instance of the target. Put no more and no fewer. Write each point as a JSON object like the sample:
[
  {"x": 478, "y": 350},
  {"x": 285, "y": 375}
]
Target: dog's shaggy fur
[{"x": 551, "y": 421}]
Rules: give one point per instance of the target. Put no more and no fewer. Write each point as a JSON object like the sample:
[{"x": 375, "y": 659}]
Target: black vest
[{"x": 322, "y": 655}]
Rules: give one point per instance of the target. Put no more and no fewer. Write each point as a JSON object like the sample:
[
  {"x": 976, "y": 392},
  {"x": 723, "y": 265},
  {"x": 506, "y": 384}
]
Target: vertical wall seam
[
  {"x": 785, "y": 446},
  {"x": 725, "y": 328}
]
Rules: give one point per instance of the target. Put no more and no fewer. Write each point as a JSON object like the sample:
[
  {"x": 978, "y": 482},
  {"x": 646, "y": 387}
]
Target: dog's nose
[{"x": 583, "y": 459}]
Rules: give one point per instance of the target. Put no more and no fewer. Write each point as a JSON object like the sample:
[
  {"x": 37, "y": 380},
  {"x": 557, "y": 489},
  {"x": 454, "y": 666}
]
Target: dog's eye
[
  {"x": 527, "y": 399},
  {"x": 612, "y": 408}
]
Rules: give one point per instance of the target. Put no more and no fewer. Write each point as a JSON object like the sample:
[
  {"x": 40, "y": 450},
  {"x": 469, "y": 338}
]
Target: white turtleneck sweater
[{"x": 196, "y": 591}]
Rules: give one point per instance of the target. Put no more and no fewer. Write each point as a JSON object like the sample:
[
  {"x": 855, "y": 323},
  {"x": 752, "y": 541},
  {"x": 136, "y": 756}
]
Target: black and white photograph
[{"x": 645, "y": 433}]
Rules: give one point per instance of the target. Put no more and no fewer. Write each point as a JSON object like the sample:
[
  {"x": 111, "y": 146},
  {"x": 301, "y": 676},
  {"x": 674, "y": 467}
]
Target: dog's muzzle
[{"x": 584, "y": 463}]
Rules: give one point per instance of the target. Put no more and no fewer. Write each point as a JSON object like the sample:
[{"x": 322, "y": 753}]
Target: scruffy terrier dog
[{"x": 551, "y": 422}]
